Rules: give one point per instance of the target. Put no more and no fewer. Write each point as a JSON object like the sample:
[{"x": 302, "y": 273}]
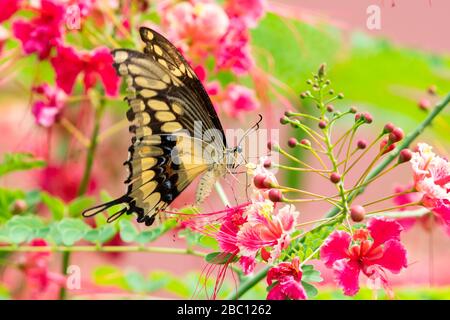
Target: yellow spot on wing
[
  {"x": 165, "y": 116},
  {"x": 171, "y": 127}
]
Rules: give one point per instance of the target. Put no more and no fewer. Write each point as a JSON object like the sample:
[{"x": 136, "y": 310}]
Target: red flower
[
  {"x": 239, "y": 99},
  {"x": 9, "y": 7},
  {"x": 349, "y": 256},
  {"x": 97, "y": 64},
  {"x": 285, "y": 280},
  {"x": 47, "y": 111},
  {"x": 37, "y": 273},
  {"x": 41, "y": 34},
  {"x": 249, "y": 11},
  {"x": 233, "y": 52}
]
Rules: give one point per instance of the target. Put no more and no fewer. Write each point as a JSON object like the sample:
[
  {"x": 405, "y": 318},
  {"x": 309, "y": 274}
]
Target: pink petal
[
  {"x": 275, "y": 293},
  {"x": 67, "y": 65},
  {"x": 347, "y": 275},
  {"x": 394, "y": 257},
  {"x": 247, "y": 264},
  {"x": 335, "y": 248},
  {"x": 382, "y": 230}
]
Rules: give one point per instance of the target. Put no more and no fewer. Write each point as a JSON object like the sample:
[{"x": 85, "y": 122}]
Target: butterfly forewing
[{"x": 166, "y": 99}]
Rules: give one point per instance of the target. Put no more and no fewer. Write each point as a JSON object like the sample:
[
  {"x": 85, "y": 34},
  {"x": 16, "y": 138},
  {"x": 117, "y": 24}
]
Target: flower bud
[
  {"x": 385, "y": 148},
  {"x": 404, "y": 156},
  {"x": 357, "y": 213},
  {"x": 271, "y": 145},
  {"x": 322, "y": 124},
  {"x": 367, "y": 117},
  {"x": 361, "y": 144},
  {"x": 396, "y": 135},
  {"x": 19, "y": 206},
  {"x": 267, "y": 163},
  {"x": 258, "y": 181},
  {"x": 388, "y": 128},
  {"x": 353, "y": 110},
  {"x": 284, "y": 120},
  {"x": 432, "y": 89},
  {"x": 424, "y": 104},
  {"x": 275, "y": 195},
  {"x": 322, "y": 70},
  {"x": 265, "y": 255},
  {"x": 292, "y": 142},
  {"x": 305, "y": 142},
  {"x": 340, "y": 96},
  {"x": 335, "y": 177},
  {"x": 330, "y": 108}
]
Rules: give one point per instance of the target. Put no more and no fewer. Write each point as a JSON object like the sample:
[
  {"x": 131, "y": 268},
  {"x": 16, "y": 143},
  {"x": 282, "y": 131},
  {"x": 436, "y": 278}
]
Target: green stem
[
  {"x": 393, "y": 154},
  {"x": 90, "y": 248},
  {"x": 248, "y": 284},
  {"x": 84, "y": 183}
]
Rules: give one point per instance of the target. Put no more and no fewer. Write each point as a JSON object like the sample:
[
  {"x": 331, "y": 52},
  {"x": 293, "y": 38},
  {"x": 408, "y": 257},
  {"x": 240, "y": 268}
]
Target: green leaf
[
  {"x": 136, "y": 281},
  {"x": 110, "y": 276},
  {"x": 100, "y": 235},
  {"x": 146, "y": 236},
  {"x": 77, "y": 206},
  {"x": 220, "y": 258},
  {"x": 311, "y": 291},
  {"x": 310, "y": 274},
  {"x": 128, "y": 231},
  {"x": 72, "y": 230},
  {"x": 56, "y": 206},
  {"x": 19, "y": 162},
  {"x": 23, "y": 228},
  {"x": 19, "y": 234}
]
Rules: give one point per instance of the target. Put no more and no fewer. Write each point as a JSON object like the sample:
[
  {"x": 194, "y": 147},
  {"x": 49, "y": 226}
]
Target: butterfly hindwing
[{"x": 165, "y": 99}]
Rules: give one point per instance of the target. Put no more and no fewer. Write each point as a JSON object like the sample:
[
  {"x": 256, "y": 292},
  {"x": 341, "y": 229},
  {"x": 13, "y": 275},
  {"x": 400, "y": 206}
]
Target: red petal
[
  {"x": 347, "y": 275},
  {"x": 335, "y": 248},
  {"x": 382, "y": 230},
  {"x": 394, "y": 257}
]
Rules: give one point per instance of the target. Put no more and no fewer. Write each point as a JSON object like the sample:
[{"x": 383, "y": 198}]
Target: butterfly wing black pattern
[{"x": 166, "y": 99}]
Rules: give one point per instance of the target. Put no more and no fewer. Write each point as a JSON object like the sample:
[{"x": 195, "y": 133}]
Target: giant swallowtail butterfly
[{"x": 168, "y": 108}]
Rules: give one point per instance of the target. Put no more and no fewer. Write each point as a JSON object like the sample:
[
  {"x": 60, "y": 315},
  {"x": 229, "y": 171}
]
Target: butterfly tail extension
[{"x": 104, "y": 206}]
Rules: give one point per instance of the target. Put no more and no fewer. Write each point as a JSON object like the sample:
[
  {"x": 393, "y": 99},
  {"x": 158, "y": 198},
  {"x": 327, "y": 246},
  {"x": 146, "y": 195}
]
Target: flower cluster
[{"x": 203, "y": 28}]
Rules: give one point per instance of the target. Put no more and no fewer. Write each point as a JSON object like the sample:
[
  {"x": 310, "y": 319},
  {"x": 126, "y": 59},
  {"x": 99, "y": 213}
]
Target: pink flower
[
  {"x": 349, "y": 256},
  {"x": 95, "y": 65},
  {"x": 265, "y": 228},
  {"x": 41, "y": 34},
  {"x": 233, "y": 53},
  {"x": 432, "y": 179},
  {"x": 239, "y": 99},
  {"x": 36, "y": 270},
  {"x": 249, "y": 11},
  {"x": 9, "y": 7},
  {"x": 47, "y": 111},
  {"x": 200, "y": 24},
  {"x": 4, "y": 35},
  {"x": 285, "y": 280}
]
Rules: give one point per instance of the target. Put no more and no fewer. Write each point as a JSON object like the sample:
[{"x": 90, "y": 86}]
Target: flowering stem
[
  {"x": 394, "y": 153},
  {"x": 248, "y": 284},
  {"x": 396, "y": 207},
  {"x": 388, "y": 197},
  {"x": 100, "y": 249}
]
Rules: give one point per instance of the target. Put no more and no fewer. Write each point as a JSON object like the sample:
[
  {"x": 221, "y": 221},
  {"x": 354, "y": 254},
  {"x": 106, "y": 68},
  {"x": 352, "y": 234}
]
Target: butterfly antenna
[
  {"x": 255, "y": 127},
  {"x": 104, "y": 206}
]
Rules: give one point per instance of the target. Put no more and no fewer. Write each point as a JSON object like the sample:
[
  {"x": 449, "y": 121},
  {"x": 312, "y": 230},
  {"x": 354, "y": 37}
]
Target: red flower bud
[
  {"x": 265, "y": 255},
  {"x": 384, "y": 148},
  {"x": 388, "y": 128},
  {"x": 396, "y": 135},
  {"x": 19, "y": 206},
  {"x": 258, "y": 181},
  {"x": 275, "y": 195},
  {"x": 284, "y": 120},
  {"x": 424, "y": 104},
  {"x": 405, "y": 156},
  {"x": 357, "y": 213},
  {"x": 267, "y": 163},
  {"x": 322, "y": 124},
  {"x": 362, "y": 144},
  {"x": 330, "y": 108},
  {"x": 271, "y": 145},
  {"x": 292, "y": 142},
  {"x": 367, "y": 117},
  {"x": 305, "y": 142},
  {"x": 335, "y": 177}
]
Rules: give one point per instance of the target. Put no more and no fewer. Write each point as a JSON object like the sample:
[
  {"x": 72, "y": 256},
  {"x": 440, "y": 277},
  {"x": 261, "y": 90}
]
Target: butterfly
[{"x": 176, "y": 133}]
